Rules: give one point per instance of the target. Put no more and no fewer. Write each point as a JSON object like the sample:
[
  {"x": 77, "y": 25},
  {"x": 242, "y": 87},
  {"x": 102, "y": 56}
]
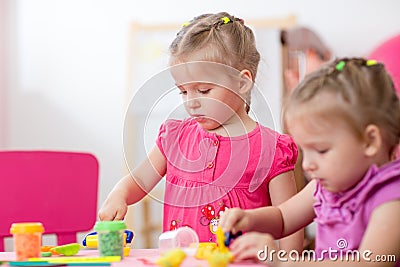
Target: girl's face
[
  {"x": 332, "y": 153},
  {"x": 211, "y": 105},
  {"x": 211, "y": 92}
]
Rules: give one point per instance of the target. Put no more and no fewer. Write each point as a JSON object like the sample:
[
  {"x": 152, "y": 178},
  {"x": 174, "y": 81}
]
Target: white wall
[
  {"x": 3, "y": 70},
  {"x": 69, "y": 61}
]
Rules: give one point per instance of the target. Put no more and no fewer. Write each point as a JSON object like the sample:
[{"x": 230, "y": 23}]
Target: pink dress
[
  {"x": 207, "y": 173},
  {"x": 342, "y": 218}
]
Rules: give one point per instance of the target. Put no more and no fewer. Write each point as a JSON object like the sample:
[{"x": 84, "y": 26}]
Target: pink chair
[{"x": 58, "y": 189}]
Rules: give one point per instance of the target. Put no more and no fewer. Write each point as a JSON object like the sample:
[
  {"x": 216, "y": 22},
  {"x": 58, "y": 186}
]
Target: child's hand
[
  {"x": 235, "y": 220},
  {"x": 254, "y": 246},
  {"x": 114, "y": 208}
]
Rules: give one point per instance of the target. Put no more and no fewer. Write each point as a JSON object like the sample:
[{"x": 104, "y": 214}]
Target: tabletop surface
[{"x": 137, "y": 257}]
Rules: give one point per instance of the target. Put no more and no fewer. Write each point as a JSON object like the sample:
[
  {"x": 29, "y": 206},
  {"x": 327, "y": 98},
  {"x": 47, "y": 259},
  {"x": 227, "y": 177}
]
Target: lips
[{"x": 196, "y": 115}]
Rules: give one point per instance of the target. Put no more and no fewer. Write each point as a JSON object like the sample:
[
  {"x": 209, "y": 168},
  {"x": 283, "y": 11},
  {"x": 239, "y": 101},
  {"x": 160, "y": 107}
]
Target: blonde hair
[
  {"x": 222, "y": 38},
  {"x": 365, "y": 91}
]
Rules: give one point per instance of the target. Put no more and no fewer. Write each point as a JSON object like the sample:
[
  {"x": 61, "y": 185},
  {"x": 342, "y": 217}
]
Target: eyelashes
[
  {"x": 322, "y": 151},
  {"x": 203, "y": 92}
]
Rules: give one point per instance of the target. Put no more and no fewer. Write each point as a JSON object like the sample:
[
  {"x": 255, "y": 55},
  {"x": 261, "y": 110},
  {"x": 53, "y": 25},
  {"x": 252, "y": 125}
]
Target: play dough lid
[
  {"x": 29, "y": 227},
  {"x": 109, "y": 225}
]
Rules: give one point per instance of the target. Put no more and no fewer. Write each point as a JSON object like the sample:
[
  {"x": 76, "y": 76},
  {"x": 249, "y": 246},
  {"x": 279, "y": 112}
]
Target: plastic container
[
  {"x": 110, "y": 237},
  {"x": 27, "y": 239},
  {"x": 184, "y": 238}
]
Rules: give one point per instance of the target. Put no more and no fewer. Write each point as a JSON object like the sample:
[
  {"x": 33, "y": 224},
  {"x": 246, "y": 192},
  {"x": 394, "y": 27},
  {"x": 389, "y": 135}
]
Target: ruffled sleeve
[
  {"x": 160, "y": 137},
  {"x": 286, "y": 153},
  {"x": 165, "y": 133}
]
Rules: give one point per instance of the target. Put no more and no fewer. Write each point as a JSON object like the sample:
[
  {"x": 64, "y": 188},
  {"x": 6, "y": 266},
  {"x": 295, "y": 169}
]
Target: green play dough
[{"x": 45, "y": 254}]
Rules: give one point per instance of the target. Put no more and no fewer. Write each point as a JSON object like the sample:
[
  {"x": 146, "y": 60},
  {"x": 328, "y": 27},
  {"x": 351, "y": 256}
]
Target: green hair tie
[
  {"x": 371, "y": 62},
  {"x": 185, "y": 24},
  {"x": 226, "y": 20},
  {"x": 340, "y": 65}
]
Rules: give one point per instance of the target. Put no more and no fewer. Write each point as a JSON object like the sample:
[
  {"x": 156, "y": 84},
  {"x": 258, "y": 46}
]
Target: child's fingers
[
  {"x": 239, "y": 243},
  {"x": 249, "y": 245},
  {"x": 106, "y": 216},
  {"x": 109, "y": 215},
  {"x": 243, "y": 249},
  {"x": 120, "y": 214},
  {"x": 230, "y": 219},
  {"x": 119, "y": 217},
  {"x": 222, "y": 221}
]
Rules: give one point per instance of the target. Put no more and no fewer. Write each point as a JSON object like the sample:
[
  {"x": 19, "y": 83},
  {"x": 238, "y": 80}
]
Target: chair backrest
[{"x": 58, "y": 189}]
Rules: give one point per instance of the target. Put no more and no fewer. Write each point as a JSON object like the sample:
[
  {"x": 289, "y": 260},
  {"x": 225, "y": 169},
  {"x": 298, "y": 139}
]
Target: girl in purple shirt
[
  {"x": 346, "y": 119},
  {"x": 219, "y": 157}
]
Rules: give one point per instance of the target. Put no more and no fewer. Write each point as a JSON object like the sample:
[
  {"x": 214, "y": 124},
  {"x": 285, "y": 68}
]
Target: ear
[
  {"x": 246, "y": 81},
  {"x": 373, "y": 140},
  {"x": 395, "y": 153}
]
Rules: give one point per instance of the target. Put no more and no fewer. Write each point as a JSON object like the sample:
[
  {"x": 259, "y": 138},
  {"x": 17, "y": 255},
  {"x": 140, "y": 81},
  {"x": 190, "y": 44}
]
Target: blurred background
[{"x": 66, "y": 72}]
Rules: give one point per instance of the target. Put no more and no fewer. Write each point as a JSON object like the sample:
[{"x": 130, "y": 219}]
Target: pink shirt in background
[
  {"x": 207, "y": 173},
  {"x": 342, "y": 218}
]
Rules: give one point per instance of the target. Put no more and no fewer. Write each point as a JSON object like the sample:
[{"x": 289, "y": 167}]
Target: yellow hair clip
[
  {"x": 185, "y": 24},
  {"x": 371, "y": 62},
  {"x": 226, "y": 20}
]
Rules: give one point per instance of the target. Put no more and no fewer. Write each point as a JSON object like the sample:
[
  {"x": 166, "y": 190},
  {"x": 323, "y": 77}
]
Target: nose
[
  {"x": 308, "y": 165},
  {"x": 192, "y": 101}
]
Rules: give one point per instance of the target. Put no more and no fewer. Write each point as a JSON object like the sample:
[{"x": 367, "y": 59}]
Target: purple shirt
[
  {"x": 207, "y": 173},
  {"x": 342, "y": 218}
]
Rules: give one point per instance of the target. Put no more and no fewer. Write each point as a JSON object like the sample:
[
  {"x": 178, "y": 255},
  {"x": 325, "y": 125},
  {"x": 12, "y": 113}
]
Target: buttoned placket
[{"x": 212, "y": 154}]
